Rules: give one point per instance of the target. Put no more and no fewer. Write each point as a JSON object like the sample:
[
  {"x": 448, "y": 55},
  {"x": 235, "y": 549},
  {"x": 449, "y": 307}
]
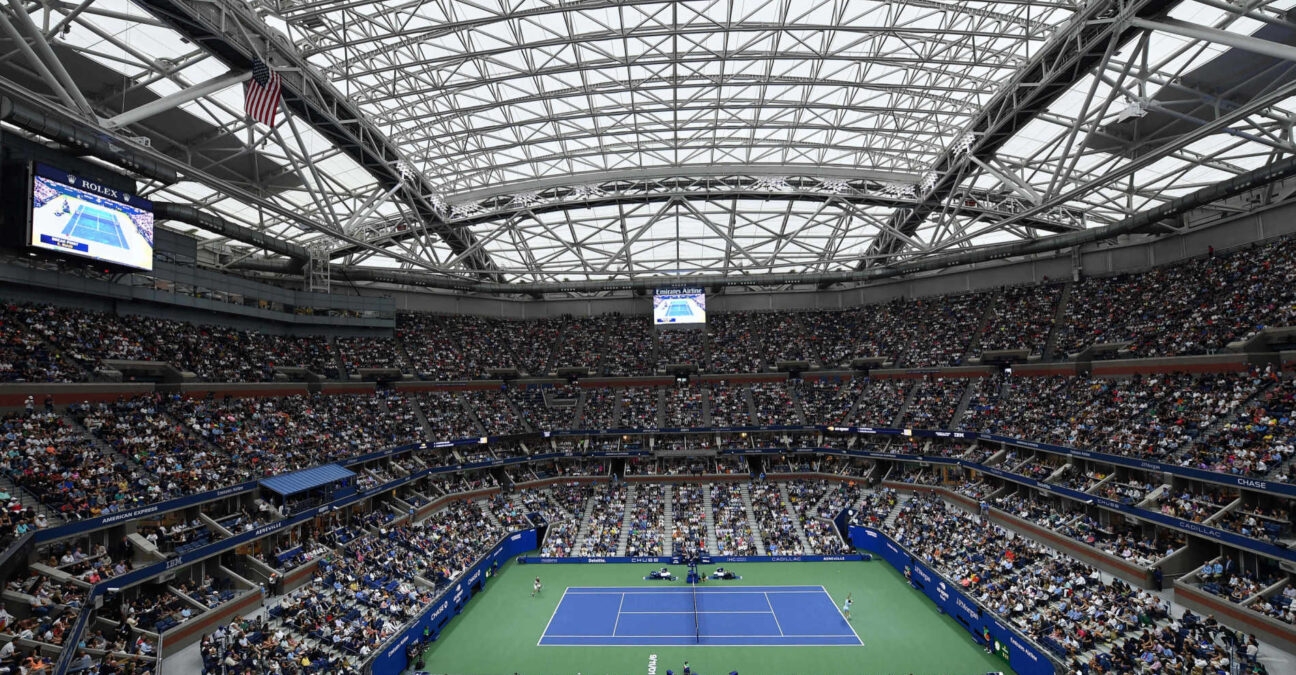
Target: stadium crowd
[
  {"x": 108, "y": 456},
  {"x": 682, "y": 407},
  {"x": 692, "y": 528},
  {"x": 733, "y": 533},
  {"x": 646, "y": 522},
  {"x": 728, "y": 406},
  {"x": 778, "y": 528},
  {"x": 1194, "y": 307},
  {"x": 821, "y": 534},
  {"x": 1061, "y": 603},
  {"x": 604, "y": 520}
]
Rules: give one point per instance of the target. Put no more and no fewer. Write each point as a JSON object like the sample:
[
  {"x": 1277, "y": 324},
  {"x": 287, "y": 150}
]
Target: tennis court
[
  {"x": 901, "y": 630},
  {"x": 679, "y": 308},
  {"x": 777, "y": 616},
  {"x": 91, "y": 224}
]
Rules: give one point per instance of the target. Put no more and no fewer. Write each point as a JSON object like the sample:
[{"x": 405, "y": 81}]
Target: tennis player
[
  {"x": 847, "y": 605},
  {"x": 535, "y": 587}
]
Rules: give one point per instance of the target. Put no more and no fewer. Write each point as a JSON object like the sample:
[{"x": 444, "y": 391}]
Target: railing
[
  {"x": 1254, "y": 484},
  {"x": 141, "y": 575},
  {"x": 224, "y": 545}
]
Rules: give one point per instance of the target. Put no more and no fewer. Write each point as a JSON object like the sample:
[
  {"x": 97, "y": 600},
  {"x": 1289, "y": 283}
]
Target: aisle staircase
[
  {"x": 631, "y": 492},
  {"x": 583, "y": 531},
  {"x": 818, "y": 506},
  {"x": 798, "y": 408},
  {"x": 708, "y": 512},
  {"x": 102, "y": 445},
  {"x": 552, "y": 500},
  {"x": 578, "y": 410},
  {"x": 974, "y": 344},
  {"x": 616, "y": 409},
  {"x": 469, "y": 414},
  {"x": 29, "y": 500},
  {"x": 422, "y": 419},
  {"x": 969, "y": 392},
  {"x": 484, "y": 505},
  {"x": 749, "y": 401},
  {"x": 792, "y": 515},
  {"x": 668, "y": 519},
  {"x": 403, "y": 360},
  {"x": 1211, "y": 432},
  {"x": 904, "y": 407},
  {"x": 518, "y": 413},
  {"x": 338, "y": 361},
  {"x": 849, "y": 416},
  {"x": 903, "y": 498},
  {"x": 1059, "y": 320},
  {"x": 745, "y": 491}
]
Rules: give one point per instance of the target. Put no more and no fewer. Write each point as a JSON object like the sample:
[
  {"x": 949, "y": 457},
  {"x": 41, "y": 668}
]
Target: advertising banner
[
  {"x": 393, "y": 657},
  {"x": 1023, "y": 656}
]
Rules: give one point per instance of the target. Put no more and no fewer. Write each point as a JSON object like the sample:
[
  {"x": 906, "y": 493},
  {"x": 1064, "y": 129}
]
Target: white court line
[
  {"x": 701, "y": 592},
  {"x": 683, "y": 637},
  {"x": 709, "y": 589},
  {"x": 692, "y": 645},
  {"x": 551, "y": 617},
  {"x": 815, "y": 590},
  {"x": 775, "y": 614},
  {"x": 618, "y": 617},
  {"x": 717, "y": 611},
  {"x": 843, "y": 616}
]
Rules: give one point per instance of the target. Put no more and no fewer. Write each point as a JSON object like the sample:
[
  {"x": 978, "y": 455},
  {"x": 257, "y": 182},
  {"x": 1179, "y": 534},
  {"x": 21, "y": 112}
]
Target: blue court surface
[
  {"x": 775, "y": 616},
  {"x": 679, "y": 308},
  {"x": 91, "y": 224}
]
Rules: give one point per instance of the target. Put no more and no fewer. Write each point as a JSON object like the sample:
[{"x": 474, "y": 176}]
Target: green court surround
[{"x": 902, "y": 631}]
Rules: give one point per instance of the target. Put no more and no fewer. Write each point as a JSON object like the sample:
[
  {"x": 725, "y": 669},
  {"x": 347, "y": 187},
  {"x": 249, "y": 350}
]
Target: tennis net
[{"x": 697, "y": 626}]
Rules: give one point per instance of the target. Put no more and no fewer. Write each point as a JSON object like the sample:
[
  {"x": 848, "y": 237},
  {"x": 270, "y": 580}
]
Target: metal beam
[
  {"x": 35, "y": 61},
  {"x": 233, "y": 33},
  {"x": 178, "y": 98},
  {"x": 642, "y": 174},
  {"x": 184, "y": 213},
  {"x": 1140, "y": 222},
  {"x": 1075, "y": 50},
  {"x": 720, "y": 183},
  {"x": 40, "y": 117},
  {"x": 1223, "y": 37},
  {"x": 46, "y": 53}
]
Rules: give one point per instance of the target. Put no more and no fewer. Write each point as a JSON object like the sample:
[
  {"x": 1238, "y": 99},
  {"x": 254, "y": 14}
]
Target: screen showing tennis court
[
  {"x": 71, "y": 214},
  {"x": 679, "y": 305}
]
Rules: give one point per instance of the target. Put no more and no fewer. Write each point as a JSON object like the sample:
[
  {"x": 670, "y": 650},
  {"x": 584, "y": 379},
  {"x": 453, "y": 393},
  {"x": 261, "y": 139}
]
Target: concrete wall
[
  {"x": 192, "y": 631},
  {"x": 1212, "y": 363},
  {"x": 1274, "y": 632}
]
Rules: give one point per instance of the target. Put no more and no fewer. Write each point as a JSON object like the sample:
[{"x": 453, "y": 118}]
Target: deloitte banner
[
  {"x": 1023, "y": 656},
  {"x": 393, "y": 657},
  {"x": 706, "y": 560}
]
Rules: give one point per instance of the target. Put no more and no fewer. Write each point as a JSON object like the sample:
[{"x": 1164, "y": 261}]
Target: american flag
[{"x": 262, "y": 97}]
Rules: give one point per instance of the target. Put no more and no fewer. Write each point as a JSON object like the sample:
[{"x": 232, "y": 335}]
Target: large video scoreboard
[
  {"x": 79, "y": 216},
  {"x": 679, "y": 306}
]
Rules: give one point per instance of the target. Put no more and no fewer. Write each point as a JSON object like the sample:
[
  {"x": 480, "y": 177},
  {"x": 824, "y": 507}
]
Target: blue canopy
[{"x": 309, "y": 479}]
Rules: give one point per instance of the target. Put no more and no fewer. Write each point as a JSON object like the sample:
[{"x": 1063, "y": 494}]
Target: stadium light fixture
[{"x": 1132, "y": 110}]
